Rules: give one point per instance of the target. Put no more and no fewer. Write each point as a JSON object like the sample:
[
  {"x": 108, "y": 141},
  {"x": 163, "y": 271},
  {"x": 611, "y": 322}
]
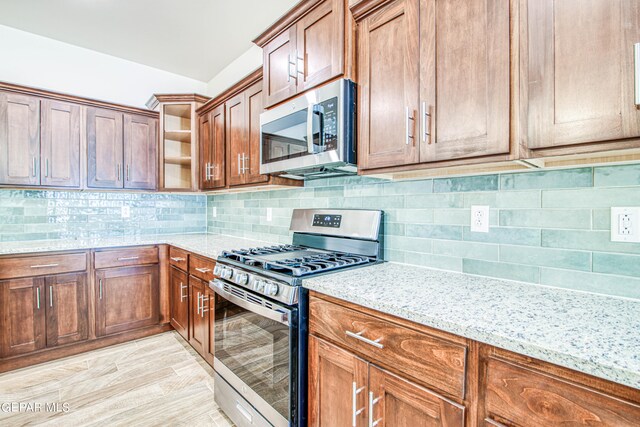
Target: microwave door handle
[
  {"x": 320, "y": 114},
  {"x": 310, "y": 128},
  {"x": 275, "y": 315}
]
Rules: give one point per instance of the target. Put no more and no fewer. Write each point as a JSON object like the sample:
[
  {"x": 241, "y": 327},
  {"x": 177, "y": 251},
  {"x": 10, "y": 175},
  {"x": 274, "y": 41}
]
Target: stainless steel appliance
[
  {"x": 311, "y": 136},
  {"x": 261, "y": 313}
]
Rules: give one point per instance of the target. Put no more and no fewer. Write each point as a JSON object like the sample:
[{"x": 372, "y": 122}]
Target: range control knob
[
  {"x": 217, "y": 270},
  {"x": 226, "y": 273},
  {"x": 259, "y": 285},
  {"x": 241, "y": 278},
  {"x": 271, "y": 289}
]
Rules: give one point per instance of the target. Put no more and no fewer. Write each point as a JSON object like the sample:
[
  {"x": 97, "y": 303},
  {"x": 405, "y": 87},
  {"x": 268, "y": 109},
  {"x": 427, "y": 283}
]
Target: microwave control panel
[{"x": 329, "y": 110}]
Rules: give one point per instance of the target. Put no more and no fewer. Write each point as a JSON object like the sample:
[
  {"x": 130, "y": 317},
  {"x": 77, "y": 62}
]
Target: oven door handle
[{"x": 275, "y": 315}]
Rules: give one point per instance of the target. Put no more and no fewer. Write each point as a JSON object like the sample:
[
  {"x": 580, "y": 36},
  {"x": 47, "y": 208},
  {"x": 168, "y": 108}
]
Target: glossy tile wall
[
  {"x": 35, "y": 215},
  {"x": 549, "y": 227}
]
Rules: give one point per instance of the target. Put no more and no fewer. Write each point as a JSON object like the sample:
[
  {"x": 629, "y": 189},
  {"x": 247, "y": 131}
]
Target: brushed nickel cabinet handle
[
  {"x": 50, "y": 296},
  {"x": 46, "y": 168},
  {"x": 409, "y": 117},
  {"x": 354, "y": 395},
  {"x": 44, "y": 265},
  {"x": 177, "y": 259},
  {"x": 198, "y": 304},
  {"x": 636, "y": 56},
  {"x": 372, "y": 402},
  {"x": 203, "y": 270},
  {"x": 358, "y": 336},
  {"x": 128, "y": 172},
  {"x": 34, "y": 166},
  {"x": 202, "y": 309},
  {"x": 100, "y": 287},
  {"x": 38, "y": 298},
  {"x": 128, "y": 258},
  {"x": 289, "y": 64},
  {"x": 426, "y": 122},
  {"x": 182, "y": 296}
]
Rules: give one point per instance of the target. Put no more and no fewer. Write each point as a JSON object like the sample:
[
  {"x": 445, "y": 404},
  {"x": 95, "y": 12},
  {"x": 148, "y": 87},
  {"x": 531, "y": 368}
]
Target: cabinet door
[
  {"x": 126, "y": 298},
  {"x": 179, "y": 283},
  {"x": 104, "y": 149},
  {"x": 255, "y": 107},
  {"x": 140, "y": 146},
  {"x": 198, "y": 321},
  {"x": 464, "y": 79},
  {"x": 578, "y": 67},
  {"x": 400, "y": 403},
  {"x": 337, "y": 386},
  {"x": 279, "y": 65},
  {"x": 209, "y": 307},
  {"x": 19, "y": 139},
  {"x": 236, "y": 131},
  {"x": 22, "y": 317},
  {"x": 60, "y": 144},
  {"x": 212, "y": 148},
  {"x": 66, "y": 308},
  {"x": 320, "y": 44},
  {"x": 388, "y": 76}
]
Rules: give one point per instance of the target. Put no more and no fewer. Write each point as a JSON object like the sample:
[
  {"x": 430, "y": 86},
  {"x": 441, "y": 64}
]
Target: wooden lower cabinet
[
  {"x": 179, "y": 301},
  {"x": 198, "y": 318},
  {"x": 209, "y": 306},
  {"x": 67, "y": 309},
  {"x": 22, "y": 316},
  {"x": 126, "y": 298}
]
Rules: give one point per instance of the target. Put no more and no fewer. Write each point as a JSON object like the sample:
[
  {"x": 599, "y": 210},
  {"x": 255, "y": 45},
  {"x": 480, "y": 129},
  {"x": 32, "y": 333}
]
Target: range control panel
[{"x": 332, "y": 221}]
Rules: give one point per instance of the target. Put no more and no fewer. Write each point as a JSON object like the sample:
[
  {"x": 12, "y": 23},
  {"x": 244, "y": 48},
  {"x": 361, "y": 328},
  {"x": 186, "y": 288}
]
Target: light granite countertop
[
  {"x": 208, "y": 245},
  {"x": 591, "y": 333}
]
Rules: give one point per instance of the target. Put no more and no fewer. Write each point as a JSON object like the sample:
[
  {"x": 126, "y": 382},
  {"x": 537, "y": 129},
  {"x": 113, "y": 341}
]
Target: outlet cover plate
[
  {"x": 480, "y": 219},
  {"x": 214, "y": 211},
  {"x": 625, "y": 224},
  {"x": 125, "y": 212},
  {"x": 269, "y": 214}
]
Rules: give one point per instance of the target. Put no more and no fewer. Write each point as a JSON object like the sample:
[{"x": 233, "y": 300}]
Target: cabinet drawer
[
  {"x": 11, "y": 268},
  {"x": 125, "y": 257},
  {"x": 202, "y": 268},
  {"x": 179, "y": 258},
  {"x": 525, "y": 397},
  {"x": 435, "y": 362}
]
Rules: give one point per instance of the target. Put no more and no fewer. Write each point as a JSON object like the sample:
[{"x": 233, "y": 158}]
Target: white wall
[
  {"x": 232, "y": 73},
  {"x": 41, "y": 62}
]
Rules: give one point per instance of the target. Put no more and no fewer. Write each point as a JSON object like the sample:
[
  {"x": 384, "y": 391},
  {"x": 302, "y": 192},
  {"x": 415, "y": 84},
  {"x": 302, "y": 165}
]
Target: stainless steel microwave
[{"x": 312, "y": 135}]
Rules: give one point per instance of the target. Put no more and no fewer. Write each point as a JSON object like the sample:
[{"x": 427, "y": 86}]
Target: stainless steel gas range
[{"x": 261, "y": 312}]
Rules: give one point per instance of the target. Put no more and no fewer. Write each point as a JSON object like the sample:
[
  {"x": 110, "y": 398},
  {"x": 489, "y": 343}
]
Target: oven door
[
  {"x": 306, "y": 132},
  {"x": 255, "y": 350}
]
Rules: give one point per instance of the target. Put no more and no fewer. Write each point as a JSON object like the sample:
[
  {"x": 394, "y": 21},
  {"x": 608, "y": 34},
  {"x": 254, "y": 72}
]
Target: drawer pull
[
  {"x": 177, "y": 259},
  {"x": 44, "y": 265},
  {"x": 203, "y": 270},
  {"x": 358, "y": 336},
  {"x": 128, "y": 258},
  {"x": 356, "y": 412}
]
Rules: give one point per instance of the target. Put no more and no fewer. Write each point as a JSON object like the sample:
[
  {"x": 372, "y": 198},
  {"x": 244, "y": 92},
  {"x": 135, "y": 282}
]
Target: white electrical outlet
[
  {"x": 269, "y": 214},
  {"x": 214, "y": 211},
  {"x": 625, "y": 223},
  {"x": 480, "y": 219},
  {"x": 125, "y": 212}
]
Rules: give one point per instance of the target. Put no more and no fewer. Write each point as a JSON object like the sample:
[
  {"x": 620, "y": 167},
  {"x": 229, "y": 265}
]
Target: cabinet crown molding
[
  {"x": 286, "y": 20},
  {"x": 244, "y": 83},
  {"x": 155, "y": 99}
]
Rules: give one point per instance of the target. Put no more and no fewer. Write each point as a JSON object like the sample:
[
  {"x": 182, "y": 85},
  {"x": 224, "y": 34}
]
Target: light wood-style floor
[{"x": 155, "y": 381}]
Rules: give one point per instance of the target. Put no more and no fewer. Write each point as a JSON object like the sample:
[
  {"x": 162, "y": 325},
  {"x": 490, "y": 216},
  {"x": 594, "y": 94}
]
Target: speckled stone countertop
[
  {"x": 591, "y": 333},
  {"x": 209, "y": 245}
]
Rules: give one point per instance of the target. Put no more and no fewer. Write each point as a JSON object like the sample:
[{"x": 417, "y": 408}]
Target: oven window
[{"x": 257, "y": 350}]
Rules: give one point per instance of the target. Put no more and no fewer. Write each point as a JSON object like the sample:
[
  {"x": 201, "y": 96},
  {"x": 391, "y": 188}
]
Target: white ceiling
[{"x": 193, "y": 38}]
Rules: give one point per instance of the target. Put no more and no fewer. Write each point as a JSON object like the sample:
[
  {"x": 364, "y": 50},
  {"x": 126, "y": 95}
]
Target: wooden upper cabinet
[
  {"x": 464, "y": 79},
  {"x": 279, "y": 62},
  {"x": 334, "y": 374},
  {"x": 401, "y": 403},
  {"x": 60, "y": 144},
  {"x": 578, "y": 71},
  {"x": 66, "y": 309},
  {"x": 388, "y": 86},
  {"x": 236, "y": 133},
  {"x": 104, "y": 148},
  {"x": 254, "y": 107},
  {"x": 320, "y": 44},
  {"x": 22, "y": 304},
  {"x": 19, "y": 139},
  {"x": 303, "y": 49},
  {"x": 212, "y": 148},
  {"x": 140, "y": 147}
]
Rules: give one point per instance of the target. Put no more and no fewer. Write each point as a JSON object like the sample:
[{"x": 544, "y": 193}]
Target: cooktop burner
[{"x": 294, "y": 260}]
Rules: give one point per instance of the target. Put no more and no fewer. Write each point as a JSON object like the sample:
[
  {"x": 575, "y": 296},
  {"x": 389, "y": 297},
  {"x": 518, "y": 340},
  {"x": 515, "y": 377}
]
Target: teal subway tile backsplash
[
  {"x": 546, "y": 227},
  {"x": 36, "y": 215}
]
